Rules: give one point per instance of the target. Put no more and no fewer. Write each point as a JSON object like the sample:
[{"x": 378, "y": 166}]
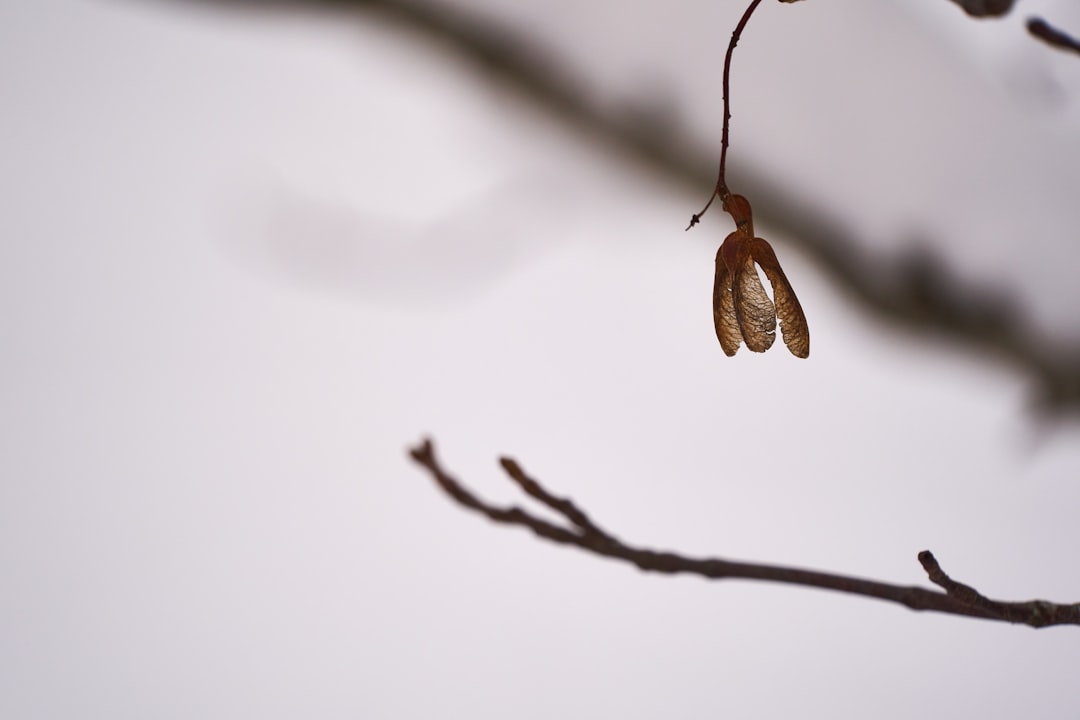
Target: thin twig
[
  {"x": 721, "y": 188},
  {"x": 562, "y": 506},
  {"x": 957, "y": 600}
]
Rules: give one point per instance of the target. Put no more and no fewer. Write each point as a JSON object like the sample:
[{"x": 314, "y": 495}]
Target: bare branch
[
  {"x": 918, "y": 292},
  {"x": 1052, "y": 36},
  {"x": 584, "y": 534}
]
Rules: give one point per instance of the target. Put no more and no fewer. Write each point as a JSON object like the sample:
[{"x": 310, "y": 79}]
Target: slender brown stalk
[{"x": 721, "y": 188}]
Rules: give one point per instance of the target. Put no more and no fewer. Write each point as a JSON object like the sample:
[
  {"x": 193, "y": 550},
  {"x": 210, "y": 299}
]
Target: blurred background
[{"x": 252, "y": 252}]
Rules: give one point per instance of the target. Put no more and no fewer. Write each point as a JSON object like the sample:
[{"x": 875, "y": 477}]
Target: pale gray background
[{"x": 248, "y": 259}]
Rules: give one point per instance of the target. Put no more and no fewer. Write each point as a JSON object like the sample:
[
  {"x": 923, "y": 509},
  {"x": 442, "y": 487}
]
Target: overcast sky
[{"x": 246, "y": 260}]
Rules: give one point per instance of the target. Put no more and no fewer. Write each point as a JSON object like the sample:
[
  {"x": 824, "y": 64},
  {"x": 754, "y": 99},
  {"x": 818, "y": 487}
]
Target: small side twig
[
  {"x": 1037, "y": 613},
  {"x": 957, "y": 599},
  {"x": 563, "y": 506}
]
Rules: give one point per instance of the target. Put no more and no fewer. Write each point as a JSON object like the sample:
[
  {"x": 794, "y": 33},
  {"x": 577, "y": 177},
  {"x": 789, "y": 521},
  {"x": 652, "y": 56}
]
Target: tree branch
[
  {"x": 583, "y": 533},
  {"x": 917, "y": 291}
]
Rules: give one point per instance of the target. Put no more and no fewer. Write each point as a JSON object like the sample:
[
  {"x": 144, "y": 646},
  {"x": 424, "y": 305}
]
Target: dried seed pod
[{"x": 742, "y": 311}]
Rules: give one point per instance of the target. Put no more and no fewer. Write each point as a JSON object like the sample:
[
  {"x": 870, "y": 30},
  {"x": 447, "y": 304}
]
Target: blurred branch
[
  {"x": 916, "y": 291},
  {"x": 985, "y": 8},
  {"x": 1051, "y": 35},
  {"x": 582, "y": 532},
  {"x": 1038, "y": 27}
]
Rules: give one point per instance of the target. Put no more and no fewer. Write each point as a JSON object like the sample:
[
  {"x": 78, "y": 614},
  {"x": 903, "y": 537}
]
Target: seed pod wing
[
  {"x": 792, "y": 320},
  {"x": 727, "y": 324},
  {"x": 757, "y": 316}
]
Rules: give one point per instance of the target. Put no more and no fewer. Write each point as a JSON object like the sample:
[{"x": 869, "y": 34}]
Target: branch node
[{"x": 964, "y": 593}]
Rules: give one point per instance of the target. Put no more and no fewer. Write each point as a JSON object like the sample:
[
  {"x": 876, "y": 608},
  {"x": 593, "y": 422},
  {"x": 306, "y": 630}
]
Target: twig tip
[{"x": 423, "y": 452}]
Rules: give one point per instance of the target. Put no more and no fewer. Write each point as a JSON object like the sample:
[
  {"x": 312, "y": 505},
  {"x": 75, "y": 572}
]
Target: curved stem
[{"x": 721, "y": 188}]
